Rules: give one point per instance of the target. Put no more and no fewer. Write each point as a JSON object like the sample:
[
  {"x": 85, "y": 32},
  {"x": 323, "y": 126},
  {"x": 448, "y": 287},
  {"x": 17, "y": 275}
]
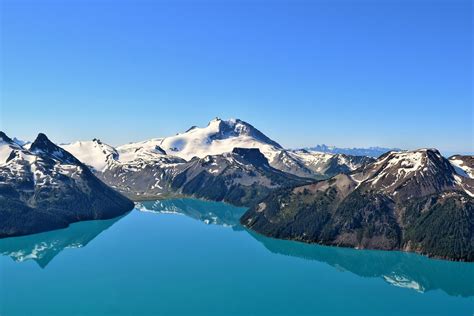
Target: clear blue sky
[{"x": 348, "y": 73}]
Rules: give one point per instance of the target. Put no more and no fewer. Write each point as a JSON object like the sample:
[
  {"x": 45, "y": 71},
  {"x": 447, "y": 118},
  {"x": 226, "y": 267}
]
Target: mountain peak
[
  {"x": 219, "y": 136},
  {"x": 45, "y": 148},
  {"x": 400, "y": 173},
  {"x": 5, "y": 138},
  {"x": 428, "y": 153},
  {"x": 42, "y": 136},
  {"x": 41, "y": 142},
  {"x": 236, "y": 127}
]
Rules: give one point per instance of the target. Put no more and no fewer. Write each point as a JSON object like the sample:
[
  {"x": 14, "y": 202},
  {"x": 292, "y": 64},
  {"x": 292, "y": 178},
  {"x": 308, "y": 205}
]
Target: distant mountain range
[
  {"x": 369, "y": 152},
  {"x": 408, "y": 200}
]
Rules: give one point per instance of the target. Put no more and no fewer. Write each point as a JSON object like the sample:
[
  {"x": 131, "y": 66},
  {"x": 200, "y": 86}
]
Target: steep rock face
[
  {"x": 412, "y": 201},
  {"x": 46, "y": 188},
  {"x": 242, "y": 177}
]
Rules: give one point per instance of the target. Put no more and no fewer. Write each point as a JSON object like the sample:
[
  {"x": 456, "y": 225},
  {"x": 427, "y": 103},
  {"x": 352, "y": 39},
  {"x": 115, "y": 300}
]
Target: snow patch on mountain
[
  {"x": 464, "y": 165},
  {"x": 145, "y": 149},
  {"x": 93, "y": 153},
  {"x": 6, "y": 148}
]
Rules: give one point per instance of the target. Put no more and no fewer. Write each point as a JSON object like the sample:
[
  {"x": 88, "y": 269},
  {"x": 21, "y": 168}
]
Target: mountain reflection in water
[
  {"x": 399, "y": 269},
  {"x": 43, "y": 247},
  {"x": 216, "y": 213}
]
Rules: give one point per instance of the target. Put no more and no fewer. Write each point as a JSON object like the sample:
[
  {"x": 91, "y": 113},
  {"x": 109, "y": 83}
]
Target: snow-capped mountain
[
  {"x": 202, "y": 162},
  {"x": 149, "y": 168},
  {"x": 45, "y": 187},
  {"x": 101, "y": 157},
  {"x": 415, "y": 173},
  {"x": 409, "y": 200},
  {"x": 370, "y": 151},
  {"x": 328, "y": 165},
  {"x": 218, "y": 137}
]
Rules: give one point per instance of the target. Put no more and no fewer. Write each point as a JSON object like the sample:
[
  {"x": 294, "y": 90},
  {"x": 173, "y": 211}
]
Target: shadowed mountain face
[
  {"x": 399, "y": 269},
  {"x": 241, "y": 177},
  {"x": 45, "y": 187},
  {"x": 43, "y": 247},
  {"x": 412, "y": 201}
]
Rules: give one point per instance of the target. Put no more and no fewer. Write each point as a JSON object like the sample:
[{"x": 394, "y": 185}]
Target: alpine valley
[{"x": 414, "y": 200}]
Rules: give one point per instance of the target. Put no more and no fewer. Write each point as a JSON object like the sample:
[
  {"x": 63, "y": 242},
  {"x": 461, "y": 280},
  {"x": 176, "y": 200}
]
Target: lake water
[{"x": 191, "y": 257}]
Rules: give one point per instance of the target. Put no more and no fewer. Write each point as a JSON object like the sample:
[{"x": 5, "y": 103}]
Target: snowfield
[
  {"x": 93, "y": 153},
  {"x": 218, "y": 137},
  {"x": 462, "y": 166}
]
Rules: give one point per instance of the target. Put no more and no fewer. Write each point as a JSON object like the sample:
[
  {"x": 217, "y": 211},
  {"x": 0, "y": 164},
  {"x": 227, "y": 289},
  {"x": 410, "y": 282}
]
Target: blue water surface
[{"x": 191, "y": 257}]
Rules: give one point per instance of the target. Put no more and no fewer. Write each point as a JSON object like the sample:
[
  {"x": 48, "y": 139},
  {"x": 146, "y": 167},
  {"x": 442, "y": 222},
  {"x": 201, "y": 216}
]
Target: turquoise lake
[{"x": 191, "y": 257}]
